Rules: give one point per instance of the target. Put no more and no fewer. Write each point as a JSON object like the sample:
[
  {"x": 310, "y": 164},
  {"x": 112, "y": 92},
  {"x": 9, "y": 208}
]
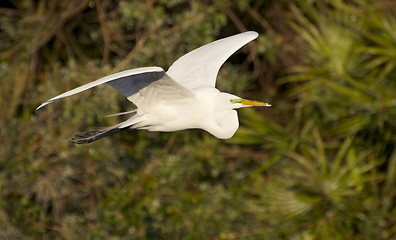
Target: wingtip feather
[
  {"x": 45, "y": 104},
  {"x": 253, "y": 34},
  {"x": 42, "y": 105}
]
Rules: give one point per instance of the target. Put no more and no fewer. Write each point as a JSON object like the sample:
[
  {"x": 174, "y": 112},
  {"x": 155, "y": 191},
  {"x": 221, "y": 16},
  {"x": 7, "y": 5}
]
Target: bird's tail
[{"x": 90, "y": 136}]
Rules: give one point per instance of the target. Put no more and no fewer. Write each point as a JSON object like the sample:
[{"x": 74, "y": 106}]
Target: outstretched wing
[
  {"x": 199, "y": 67},
  {"x": 165, "y": 89},
  {"x": 127, "y": 82}
]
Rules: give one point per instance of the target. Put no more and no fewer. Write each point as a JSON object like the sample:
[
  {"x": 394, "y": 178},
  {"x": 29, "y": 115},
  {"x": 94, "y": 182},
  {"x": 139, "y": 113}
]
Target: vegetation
[{"x": 319, "y": 164}]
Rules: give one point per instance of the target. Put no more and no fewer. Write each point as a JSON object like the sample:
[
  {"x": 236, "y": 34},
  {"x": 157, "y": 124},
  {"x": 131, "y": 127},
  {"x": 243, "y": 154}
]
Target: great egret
[{"x": 184, "y": 97}]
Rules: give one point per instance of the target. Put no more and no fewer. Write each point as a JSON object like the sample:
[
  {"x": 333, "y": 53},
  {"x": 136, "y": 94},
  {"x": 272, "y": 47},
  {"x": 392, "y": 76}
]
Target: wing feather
[
  {"x": 127, "y": 82},
  {"x": 165, "y": 89},
  {"x": 199, "y": 67}
]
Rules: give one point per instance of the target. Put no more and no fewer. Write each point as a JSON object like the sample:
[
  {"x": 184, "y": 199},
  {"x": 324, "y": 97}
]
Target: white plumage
[{"x": 184, "y": 97}]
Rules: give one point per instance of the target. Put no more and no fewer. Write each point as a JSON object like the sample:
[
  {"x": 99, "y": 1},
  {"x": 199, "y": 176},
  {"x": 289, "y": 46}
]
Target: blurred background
[{"x": 319, "y": 164}]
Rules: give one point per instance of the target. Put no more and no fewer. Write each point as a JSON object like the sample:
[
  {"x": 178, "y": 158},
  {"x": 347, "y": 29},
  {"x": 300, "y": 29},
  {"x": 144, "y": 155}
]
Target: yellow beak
[{"x": 252, "y": 103}]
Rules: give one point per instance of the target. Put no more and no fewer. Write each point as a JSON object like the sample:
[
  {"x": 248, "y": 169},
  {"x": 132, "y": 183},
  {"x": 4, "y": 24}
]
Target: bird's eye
[{"x": 236, "y": 100}]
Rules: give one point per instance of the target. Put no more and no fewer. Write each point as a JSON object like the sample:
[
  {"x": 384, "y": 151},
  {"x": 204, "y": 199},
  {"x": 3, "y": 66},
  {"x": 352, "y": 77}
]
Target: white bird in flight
[{"x": 184, "y": 97}]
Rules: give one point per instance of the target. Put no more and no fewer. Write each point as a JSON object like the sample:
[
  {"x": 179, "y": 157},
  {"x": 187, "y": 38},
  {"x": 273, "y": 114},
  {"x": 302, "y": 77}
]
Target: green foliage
[
  {"x": 192, "y": 195},
  {"x": 328, "y": 167},
  {"x": 319, "y": 164}
]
